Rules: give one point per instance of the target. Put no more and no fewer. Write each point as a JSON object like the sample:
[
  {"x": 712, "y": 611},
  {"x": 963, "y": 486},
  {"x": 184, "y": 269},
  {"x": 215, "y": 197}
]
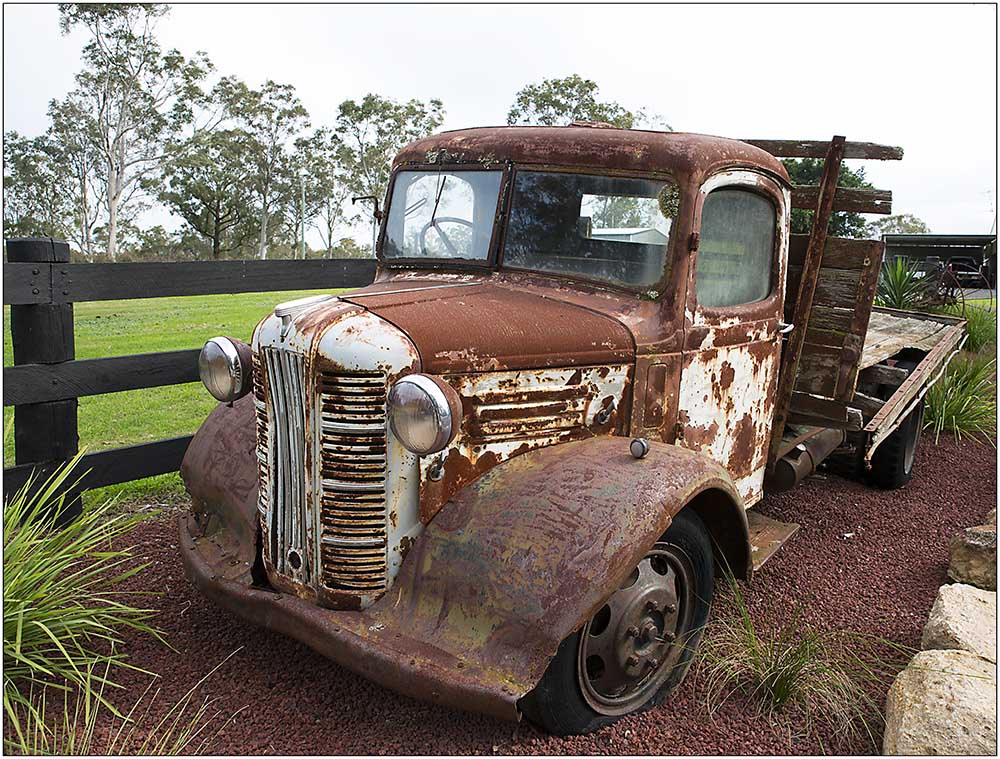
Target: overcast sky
[{"x": 922, "y": 77}]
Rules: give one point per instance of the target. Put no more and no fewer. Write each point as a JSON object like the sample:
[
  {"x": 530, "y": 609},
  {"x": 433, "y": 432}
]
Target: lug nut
[
  {"x": 652, "y": 606},
  {"x": 669, "y": 637},
  {"x": 654, "y": 663},
  {"x": 632, "y": 661},
  {"x": 671, "y": 608},
  {"x": 632, "y": 632}
]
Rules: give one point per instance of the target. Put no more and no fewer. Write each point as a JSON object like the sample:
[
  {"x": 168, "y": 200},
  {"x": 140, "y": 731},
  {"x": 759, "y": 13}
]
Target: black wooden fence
[{"x": 43, "y": 386}]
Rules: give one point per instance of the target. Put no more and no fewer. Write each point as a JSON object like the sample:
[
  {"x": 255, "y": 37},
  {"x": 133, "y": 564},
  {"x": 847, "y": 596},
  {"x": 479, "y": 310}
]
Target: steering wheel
[{"x": 452, "y": 250}]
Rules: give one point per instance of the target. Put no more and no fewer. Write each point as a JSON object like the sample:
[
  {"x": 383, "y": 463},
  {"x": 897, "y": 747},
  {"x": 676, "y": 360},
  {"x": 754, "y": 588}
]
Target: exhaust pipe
[{"x": 803, "y": 459}]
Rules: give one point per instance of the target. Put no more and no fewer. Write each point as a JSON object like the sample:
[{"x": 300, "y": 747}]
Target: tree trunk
[
  {"x": 262, "y": 244},
  {"x": 112, "y": 226},
  {"x": 216, "y": 234}
]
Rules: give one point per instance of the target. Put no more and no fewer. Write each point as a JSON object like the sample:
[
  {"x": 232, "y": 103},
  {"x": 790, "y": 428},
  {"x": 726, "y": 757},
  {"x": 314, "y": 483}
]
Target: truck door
[{"x": 733, "y": 308}]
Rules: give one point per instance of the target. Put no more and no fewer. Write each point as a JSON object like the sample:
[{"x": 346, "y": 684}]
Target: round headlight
[
  {"x": 424, "y": 413},
  {"x": 225, "y": 369}
]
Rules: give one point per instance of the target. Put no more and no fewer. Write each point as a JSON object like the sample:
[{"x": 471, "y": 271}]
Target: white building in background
[{"x": 647, "y": 235}]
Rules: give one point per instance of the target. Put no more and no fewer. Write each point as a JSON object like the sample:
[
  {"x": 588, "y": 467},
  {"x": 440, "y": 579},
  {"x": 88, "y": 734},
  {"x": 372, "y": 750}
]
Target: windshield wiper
[{"x": 437, "y": 200}]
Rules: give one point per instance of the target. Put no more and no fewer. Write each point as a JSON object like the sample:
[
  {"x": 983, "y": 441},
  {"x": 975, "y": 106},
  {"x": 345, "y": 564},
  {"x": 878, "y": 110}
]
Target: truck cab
[{"x": 507, "y": 472}]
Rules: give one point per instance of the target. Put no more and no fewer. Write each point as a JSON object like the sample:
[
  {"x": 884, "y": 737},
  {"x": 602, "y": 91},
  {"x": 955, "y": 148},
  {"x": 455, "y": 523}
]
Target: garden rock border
[
  {"x": 945, "y": 701},
  {"x": 963, "y": 618}
]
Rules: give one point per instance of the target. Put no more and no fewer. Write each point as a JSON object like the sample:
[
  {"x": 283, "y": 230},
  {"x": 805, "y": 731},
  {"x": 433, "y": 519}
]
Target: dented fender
[
  {"x": 220, "y": 472},
  {"x": 524, "y": 556}
]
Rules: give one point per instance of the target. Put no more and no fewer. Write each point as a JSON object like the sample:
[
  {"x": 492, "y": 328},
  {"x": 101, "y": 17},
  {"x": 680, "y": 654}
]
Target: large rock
[
  {"x": 974, "y": 557},
  {"x": 944, "y": 702},
  {"x": 963, "y": 617}
]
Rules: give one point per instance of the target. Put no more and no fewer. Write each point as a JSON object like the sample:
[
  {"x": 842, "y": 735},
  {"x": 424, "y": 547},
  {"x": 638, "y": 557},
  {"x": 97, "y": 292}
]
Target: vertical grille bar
[
  {"x": 289, "y": 514},
  {"x": 263, "y": 446}
]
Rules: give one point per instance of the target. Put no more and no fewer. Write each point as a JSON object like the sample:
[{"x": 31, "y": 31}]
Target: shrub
[
  {"x": 61, "y": 615},
  {"x": 183, "y": 729},
  {"x": 816, "y": 677},
  {"x": 980, "y": 324},
  {"x": 902, "y": 285},
  {"x": 964, "y": 400}
]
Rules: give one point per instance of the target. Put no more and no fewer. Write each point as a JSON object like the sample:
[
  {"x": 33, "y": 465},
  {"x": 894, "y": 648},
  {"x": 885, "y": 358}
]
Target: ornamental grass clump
[
  {"x": 980, "y": 325},
  {"x": 62, "y": 724},
  {"x": 63, "y": 613},
  {"x": 822, "y": 681},
  {"x": 964, "y": 401}
]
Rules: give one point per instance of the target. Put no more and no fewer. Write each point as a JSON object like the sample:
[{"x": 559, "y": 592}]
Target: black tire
[
  {"x": 892, "y": 462},
  {"x": 558, "y": 703}
]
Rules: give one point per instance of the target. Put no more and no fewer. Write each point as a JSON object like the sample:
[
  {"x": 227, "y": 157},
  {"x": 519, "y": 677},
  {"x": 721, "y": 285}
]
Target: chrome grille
[
  {"x": 289, "y": 515},
  {"x": 353, "y": 480},
  {"x": 260, "y": 411}
]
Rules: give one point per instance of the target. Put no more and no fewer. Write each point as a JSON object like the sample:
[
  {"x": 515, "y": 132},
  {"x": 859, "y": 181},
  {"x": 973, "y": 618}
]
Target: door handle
[{"x": 784, "y": 329}]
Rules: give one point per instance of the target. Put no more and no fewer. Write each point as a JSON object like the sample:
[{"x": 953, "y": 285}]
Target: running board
[{"x": 767, "y": 536}]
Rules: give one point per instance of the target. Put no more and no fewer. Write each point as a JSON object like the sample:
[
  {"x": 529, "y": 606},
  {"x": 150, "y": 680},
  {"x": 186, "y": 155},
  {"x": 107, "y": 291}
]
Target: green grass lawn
[{"x": 123, "y": 327}]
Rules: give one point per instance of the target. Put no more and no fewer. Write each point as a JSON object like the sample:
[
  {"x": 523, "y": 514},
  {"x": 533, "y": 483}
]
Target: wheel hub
[{"x": 627, "y": 650}]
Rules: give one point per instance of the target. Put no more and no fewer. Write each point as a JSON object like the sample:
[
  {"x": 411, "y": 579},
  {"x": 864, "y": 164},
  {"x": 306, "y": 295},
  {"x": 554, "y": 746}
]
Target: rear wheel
[
  {"x": 892, "y": 462},
  {"x": 638, "y": 645}
]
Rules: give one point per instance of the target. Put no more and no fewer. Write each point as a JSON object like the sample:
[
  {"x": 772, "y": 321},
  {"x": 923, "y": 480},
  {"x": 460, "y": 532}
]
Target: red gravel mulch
[{"x": 864, "y": 560}]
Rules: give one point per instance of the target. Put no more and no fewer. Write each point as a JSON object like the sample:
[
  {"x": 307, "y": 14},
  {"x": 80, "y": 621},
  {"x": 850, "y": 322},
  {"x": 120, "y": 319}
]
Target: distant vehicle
[{"x": 967, "y": 272}]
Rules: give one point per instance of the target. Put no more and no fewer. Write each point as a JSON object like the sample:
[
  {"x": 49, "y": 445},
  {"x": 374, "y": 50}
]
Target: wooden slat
[
  {"x": 852, "y": 423},
  {"x": 113, "y": 466},
  {"x": 856, "y": 200},
  {"x": 818, "y": 148},
  {"x": 818, "y": 369},
  {"x": 880, "y": 374},
  {"x": 834, "y": 287},
  {"x": 38, "y": 383},
  {"x": 839, "y": 253},
  {"x": 867, "y": 404},
  {"x": 828, "y": 317},
  {"x": 71, "y": 283}
]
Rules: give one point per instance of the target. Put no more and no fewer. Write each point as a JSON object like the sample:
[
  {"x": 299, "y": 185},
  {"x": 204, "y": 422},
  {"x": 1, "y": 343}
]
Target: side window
[{"x": 736, "y": 251}]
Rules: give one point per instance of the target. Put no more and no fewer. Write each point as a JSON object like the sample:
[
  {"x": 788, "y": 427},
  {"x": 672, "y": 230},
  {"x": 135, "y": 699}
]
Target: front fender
[
  {"x": 523, "y": 557},
  {"x": 220, "y": 472}
]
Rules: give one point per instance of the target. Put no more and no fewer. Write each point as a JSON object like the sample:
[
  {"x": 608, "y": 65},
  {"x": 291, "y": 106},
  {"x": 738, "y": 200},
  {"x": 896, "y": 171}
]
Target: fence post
[{"x": 43, "y": 334}]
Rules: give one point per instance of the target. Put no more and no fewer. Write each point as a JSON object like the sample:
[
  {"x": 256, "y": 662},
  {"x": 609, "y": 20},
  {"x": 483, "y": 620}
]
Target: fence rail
[{"x": 41, "y": 286}]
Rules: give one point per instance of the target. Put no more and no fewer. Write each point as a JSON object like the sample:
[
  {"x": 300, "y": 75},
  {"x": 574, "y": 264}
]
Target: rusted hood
[{"x": 481, "y": 326}]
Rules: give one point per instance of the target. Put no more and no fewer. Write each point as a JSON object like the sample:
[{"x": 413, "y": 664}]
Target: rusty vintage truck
[{"x": 507, "y": 474}]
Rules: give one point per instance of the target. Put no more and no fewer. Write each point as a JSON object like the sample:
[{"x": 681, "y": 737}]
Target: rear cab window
[{"x": 737, "y": 248}]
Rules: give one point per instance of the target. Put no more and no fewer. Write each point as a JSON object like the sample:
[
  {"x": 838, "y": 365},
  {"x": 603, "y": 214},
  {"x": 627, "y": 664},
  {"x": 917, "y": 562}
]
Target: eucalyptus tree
[
  {"x": 143, "y": 105},
  {"x": 325, "y": 191},
  {"x": 373, "y": 131},
  {"x": 34, "y": 202},
  {"x": 556, "y": 102},
  {"x": 272, "y": 118},
  {"x": 208, "y": 188}
]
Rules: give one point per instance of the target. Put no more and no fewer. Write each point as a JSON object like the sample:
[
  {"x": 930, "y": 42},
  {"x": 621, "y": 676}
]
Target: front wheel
[{"x": 638, "y": 645}]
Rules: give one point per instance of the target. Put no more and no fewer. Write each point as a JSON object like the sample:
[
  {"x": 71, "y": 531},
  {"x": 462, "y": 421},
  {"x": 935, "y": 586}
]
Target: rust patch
[{"x": 726, "y": 376}]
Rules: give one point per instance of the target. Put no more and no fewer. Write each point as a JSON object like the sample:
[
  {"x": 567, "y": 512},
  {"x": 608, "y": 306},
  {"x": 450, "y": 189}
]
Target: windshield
[
  {"x": 440, "y": 214},
  {"x": 611, "y": 229}
]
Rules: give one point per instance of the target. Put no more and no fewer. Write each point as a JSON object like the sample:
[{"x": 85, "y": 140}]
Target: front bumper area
[{"x": 369, "y": 646}]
